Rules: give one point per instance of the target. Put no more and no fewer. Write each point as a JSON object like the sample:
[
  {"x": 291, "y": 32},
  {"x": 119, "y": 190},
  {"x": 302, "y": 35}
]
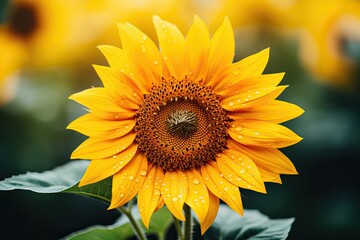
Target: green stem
[
  {"x": 136, "y": 227},
  {"x": 178, "y": 228},
  {"x": 188, "y": 223}
]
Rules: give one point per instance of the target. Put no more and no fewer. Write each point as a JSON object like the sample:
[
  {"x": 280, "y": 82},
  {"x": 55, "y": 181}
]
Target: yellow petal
[
  {"x": 248, "y": 67},
  {"x": 240, "y": 170},
  {"x": 269, "y": 176},
  {"x": 275, "y": 111},
  {"x": 197, "y": 50},
  {"x": 211, "y": 214},
  {"x": 149, "y": 194},
  {"x": 270, "y": 159},
  {"x": 221, "y": 187},
  {"x": 102, "y": 168},
  {"x": 122, "y": 65},
  {"x": 142, "y": 51},
  {"x": 254, "y": 84},
  {"x": 253, "y": 98},
  {"x": 174, "y": 190},
  {"x": 262, "y": 134},
  {"x": 95, "y": 148},
  {"x": 128, "y": 181},
  {"x": 198, "y": 197},
  {"x": 222, "y": 49},
  {"x": 172, "y": 44},
  {"x": 101, "y": 104},
  {"x": 118, "y": 87},
  {"x": 93, "y": 126}
]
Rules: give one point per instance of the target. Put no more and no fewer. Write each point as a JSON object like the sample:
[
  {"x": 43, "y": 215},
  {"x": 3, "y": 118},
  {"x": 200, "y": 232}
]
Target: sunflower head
[{"x": 184, "y": 124}]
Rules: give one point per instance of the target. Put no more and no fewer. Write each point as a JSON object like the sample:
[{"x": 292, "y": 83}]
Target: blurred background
[{"x": 46, "y": 52}]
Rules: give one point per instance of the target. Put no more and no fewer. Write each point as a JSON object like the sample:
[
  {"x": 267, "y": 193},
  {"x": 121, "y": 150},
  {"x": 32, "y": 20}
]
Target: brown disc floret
[{"x": 181, "y": 125}]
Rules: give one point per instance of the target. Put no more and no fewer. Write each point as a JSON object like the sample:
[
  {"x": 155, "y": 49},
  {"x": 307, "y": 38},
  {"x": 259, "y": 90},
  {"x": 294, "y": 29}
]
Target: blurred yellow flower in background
[
  {"x": 327, "y": 28},
  {"x": 184, "y": 125},
  {"x": 43, "y": 34}
]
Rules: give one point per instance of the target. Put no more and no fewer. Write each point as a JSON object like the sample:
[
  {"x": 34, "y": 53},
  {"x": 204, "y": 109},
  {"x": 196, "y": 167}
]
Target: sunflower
[{"x": 183, "y": 125}]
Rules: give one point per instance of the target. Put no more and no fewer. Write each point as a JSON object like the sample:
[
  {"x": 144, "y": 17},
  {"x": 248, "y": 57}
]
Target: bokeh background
[{"x": 46, "y": 52}]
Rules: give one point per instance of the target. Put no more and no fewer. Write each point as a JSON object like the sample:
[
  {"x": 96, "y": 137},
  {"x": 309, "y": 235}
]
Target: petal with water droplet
[
  {"x": 97, "y": 148},
  {"x": 263, "y": 134},
  {"x": 175, "y": 190},
  {"x": 172, "y": 44},
  {"x": 127, "y": 182},
  {"x": 100, "y": 169},
  {"x": 149, "y": 194},
  {"x": 217, "y": 185},
  {"x": 240, "y": 170},
  {"x": 198, "y": 197},
  {"x": 93, "y": 126},
  {"x": 214, "y": 203}
]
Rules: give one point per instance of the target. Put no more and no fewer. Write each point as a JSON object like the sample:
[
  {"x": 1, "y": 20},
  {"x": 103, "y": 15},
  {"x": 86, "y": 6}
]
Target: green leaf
[
  {"x": 121, "y": 229},
  {"x": 53, "y": 181},
  {"x": 100, "y": 190},
  {"x": 253, "y": 225}
]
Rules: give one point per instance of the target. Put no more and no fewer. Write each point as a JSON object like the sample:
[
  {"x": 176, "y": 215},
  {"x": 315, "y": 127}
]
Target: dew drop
[
  {"x": 196, "y": 181},
  {"x": 180, "y": 195},
  {"x": 256, "y": 133},
  {"x": 121, "y": 195},
  {"x": 144, "y": 37},
  {"x": 174, "y": 199},
  {"x": 238, "y": 179},
  {"x": 190, "y": 72},
  {"x": 240, "y": 136},
  {"x": 231, "y": 104},
  {"x": 225, "y": 189},
  {"x": 239, "y": 128},
  {"x": 143, "y": 172},
  {"x": 242, "y": 170},
  {"x": 114, "y": 156},
  {"x": 156, "y": 192},
  {"x": 131, "y": 177},
  {"x": 257, "y": 92},
  {"x": 236, "y": 71},
  {"x": 156, "y": 62}
]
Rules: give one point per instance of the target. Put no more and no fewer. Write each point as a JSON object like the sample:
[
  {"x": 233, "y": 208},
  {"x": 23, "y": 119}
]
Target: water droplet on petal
[
  {"x": 143, "y": 172},
  {"x": 131, "y": 177},
  {"x": 121, "y": 195},
  {"x": 231, "y": 104},
  {"x": 242, "y": 170},
  {"x": 156, "y": 192},
  {"x": 144, "y": 37},
  {"x": 156, "y": 62},
  {"x": 180, "y": 195},
  {"x": 195, "y": 181},
  {"x": 239, "y": 128},
  {"x": 256, "y": 133},
  {"x": 174, "y": 199},
  {"x": 236, "y": 71}
]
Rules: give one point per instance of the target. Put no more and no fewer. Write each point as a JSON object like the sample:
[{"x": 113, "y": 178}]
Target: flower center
[
  {"x": 23, "y": 20},
  {"x": 181, "y": 125}
]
